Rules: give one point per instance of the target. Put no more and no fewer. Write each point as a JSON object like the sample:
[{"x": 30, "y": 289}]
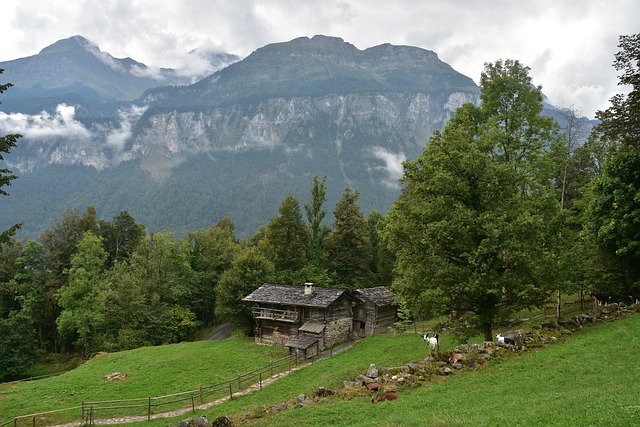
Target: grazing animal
[
  {"x": 456, "y": 357},
  {"x": 373, "y": 386},
  {"x": 387, "y": 395},
  {"x": 601, "y": 298},
  {"x": 505, "y": 340},
  {"x": 434, "y": 342}
]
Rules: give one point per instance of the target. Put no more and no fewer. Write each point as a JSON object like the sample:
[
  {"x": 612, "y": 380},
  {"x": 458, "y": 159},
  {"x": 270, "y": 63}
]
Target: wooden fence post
[
  {"x": 193, "y": 402},
  {"x": 83, "y": 409},
  {"x": 260, "y": 380},
  {"x": 33, "y": 421},
  {"x": 239, "y": 388},
  {"x": 201, "y": 396},
  {"x": 230, "y": 392},
  {"x": 149, "y": 410}
]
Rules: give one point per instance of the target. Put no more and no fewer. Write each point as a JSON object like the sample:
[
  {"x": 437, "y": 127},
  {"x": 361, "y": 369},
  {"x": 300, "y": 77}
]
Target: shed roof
[
  {"x": 379, "y": 295},
  {"x": 312, "y": 327},
  {"x": 294, "y": 295},
  {"x": 302, "y": 341}
]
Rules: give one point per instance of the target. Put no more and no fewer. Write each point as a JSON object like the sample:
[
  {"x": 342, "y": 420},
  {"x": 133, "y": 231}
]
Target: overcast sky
[{"x": 569, "y": 45}]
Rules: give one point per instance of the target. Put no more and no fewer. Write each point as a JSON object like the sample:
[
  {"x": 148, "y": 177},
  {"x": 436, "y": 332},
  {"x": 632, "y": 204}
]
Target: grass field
[{"x": 592, "y": 378}]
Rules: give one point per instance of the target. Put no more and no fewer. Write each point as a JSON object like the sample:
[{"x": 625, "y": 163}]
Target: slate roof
[
  {"x": 302, "y": 341},
  {"x": 379, "y": 295},
  {"x": 312, "y": 327},
  {"x": 294, "y": 295}
]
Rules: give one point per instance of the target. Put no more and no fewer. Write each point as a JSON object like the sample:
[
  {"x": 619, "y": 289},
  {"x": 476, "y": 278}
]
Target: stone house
[{"x": 308, "y": 319}]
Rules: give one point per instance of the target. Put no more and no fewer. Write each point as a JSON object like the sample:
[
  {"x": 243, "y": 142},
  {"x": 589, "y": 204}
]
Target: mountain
[
  {"x": 235, "y": 143},
  {"x": 76, "y": 72}
]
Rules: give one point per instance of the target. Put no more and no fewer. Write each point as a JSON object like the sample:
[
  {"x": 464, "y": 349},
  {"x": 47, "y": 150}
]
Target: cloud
[
  {"x": 45, "y": 125},
  {"x": 392, "y": 165},
  {"x": 117, "y": 138},
  {"x": 549, "y": 36}
]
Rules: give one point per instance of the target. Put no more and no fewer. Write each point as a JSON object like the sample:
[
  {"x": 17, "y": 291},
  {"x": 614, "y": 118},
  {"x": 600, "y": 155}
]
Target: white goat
[
  {"x": 505, "y": 340},
  {"x": 434, "y": 342}
]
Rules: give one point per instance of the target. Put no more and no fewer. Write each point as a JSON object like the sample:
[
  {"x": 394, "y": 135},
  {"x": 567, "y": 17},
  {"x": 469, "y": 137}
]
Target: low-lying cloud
[
  {"x": 392, "y": 165},
  {"x": 61, "y": 124}
]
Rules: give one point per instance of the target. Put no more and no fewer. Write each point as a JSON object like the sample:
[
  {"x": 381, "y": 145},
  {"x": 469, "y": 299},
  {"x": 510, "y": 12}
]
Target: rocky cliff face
[{"x": 235, "y": 143}]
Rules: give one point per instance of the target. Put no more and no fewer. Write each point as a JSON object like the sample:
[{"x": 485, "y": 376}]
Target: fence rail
[{"x": 144, "y": 406}]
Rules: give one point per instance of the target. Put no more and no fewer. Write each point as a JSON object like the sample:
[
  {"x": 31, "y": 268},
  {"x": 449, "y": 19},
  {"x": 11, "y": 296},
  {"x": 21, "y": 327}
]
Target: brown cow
[
  {"x": 372, "y": 386},
  {"x": 387, "y": 395}
]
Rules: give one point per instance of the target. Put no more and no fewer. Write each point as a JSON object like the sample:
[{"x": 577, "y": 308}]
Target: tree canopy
[
  {"x": 614, "y": 214},
  {"x": 475, "y": 221}
]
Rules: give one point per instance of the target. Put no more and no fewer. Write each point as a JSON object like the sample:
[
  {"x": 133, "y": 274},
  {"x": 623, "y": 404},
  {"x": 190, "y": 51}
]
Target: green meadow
[{"x": 588, "y": 378}]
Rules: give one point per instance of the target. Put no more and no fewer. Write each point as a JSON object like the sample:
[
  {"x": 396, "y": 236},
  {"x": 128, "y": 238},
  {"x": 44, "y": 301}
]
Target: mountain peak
[{"x": 69, "y": 44}]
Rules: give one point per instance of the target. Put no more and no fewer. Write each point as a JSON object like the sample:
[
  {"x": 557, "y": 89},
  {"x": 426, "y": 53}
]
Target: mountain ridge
[{"x": 234, "y": 143}]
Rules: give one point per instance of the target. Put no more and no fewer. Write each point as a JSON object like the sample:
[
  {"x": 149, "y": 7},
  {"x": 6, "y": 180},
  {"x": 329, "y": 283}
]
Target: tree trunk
[
  {"x": 558, "y": 302},
  {"x": 488, "y": 332}
]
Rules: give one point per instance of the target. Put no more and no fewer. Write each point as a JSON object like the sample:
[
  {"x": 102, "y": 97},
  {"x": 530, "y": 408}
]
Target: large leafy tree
[
  {"x": 211, "y": 252},
  {"x": 149, "y": 300},
  {"x": 347, "y": 251},
  {"x": 249, "y": 271},
  {"x": 17, "y": 345},
  {"x": 614, "y": 216},
  {"x": 82, "y": 299},
  {"x": 475, "y": 226},
  {"x": 7, "y": 142},
  {"x": 121, "y": 236}
]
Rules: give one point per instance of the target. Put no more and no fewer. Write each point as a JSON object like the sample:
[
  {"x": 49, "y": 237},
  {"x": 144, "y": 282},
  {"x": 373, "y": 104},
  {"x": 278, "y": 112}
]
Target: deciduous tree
[
  {"x": 475, "y": 228},
  {"x": 614, "y": 215}
]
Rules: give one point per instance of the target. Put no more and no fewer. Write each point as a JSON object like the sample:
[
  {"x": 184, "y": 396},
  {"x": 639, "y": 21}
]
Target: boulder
[{"x": 372, "y": 372}]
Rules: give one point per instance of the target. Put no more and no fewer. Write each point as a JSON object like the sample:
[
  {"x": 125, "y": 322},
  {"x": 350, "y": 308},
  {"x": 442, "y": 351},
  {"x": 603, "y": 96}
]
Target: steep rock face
[
  {"x": 235, "y": 143},
  {"x": 279, "y": 121}
]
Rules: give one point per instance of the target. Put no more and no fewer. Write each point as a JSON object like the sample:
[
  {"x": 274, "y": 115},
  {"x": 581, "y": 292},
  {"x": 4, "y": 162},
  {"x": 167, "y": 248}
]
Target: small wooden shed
[{"x": 375, "y": 312}]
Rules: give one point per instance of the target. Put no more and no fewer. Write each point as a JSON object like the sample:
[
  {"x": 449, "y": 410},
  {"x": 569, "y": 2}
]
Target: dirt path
[{"x": 221, "y": 333}]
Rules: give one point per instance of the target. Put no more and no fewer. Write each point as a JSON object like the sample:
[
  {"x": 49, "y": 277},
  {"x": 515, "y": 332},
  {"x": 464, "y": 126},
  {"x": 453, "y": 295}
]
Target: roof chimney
[{"x": 308, "y": 288}]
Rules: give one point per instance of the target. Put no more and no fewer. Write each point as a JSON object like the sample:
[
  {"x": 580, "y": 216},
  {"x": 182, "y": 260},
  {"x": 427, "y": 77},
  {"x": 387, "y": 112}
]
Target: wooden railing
[{"x": 275, "y": 314}]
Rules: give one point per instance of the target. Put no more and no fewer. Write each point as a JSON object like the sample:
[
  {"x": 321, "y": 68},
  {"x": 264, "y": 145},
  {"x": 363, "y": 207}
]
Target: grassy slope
[
  {"x": 151, "y": 371},
  {"x": 592, "y": 379},
  {"x": 589, "y": 380}
]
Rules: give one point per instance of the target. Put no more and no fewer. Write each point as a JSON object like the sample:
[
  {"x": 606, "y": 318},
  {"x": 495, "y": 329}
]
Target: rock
[
  {"x": 372, "y": 372},
  {"x": 202, "y": 421},
  {"x": 116, "y": 376},
  {"x": 362, "y": 379},
  {"x": 222, "y": 421},
  {"x": 348, "y": 384},
  {"x": 324, "y": 392},
  {"x": 447, "y": 371}
]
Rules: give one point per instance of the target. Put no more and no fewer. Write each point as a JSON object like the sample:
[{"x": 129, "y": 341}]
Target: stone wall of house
[{"x": 338, "y": 331}]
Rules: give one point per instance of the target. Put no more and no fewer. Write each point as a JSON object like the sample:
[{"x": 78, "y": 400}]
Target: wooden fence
[{"x": 145, "y": 407}]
